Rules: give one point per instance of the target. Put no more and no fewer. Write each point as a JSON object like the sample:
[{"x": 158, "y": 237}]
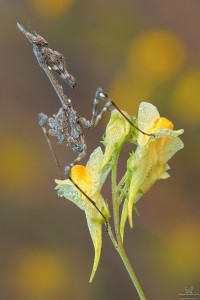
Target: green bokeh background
[{"x": 135, "y": 50}]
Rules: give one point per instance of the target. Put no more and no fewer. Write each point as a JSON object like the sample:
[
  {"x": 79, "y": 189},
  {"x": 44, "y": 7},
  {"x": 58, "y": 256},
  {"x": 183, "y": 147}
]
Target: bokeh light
[
  {"x": 39, "y": 274},
  {"x": 186, "y": 97},
  {"x": 18, "y": 164},
  {"x": 128, "y": 90},
  {"x": 51, "y": 9},
  {"x": 158, "y": 54},
  {"x": 178, "y": 261},
  {"x": 153, "y": 58}
]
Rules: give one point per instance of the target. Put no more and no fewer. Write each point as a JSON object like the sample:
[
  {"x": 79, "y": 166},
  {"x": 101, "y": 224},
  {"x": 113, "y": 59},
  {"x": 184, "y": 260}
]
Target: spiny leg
[
  {"x": 100, "y": 96},
  {"x": 43, "y": 121},
  {"x": 72, "y": 164},
  {"x": 66, "y": 102}
]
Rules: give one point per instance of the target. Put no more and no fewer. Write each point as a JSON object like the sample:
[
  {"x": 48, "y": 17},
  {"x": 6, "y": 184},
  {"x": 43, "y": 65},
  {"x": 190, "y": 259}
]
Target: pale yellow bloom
[
  {"x": 117, "y": 132},
  {"x": 149, "y": 162},
  {"x": 90, "y": 180}
]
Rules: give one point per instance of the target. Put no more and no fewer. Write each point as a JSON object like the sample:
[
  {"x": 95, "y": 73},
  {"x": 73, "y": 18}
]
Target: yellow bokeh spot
[
  {"x": 18, "y": 164},
  {"x": 39, "y": 273},
  {"x": 81, "y": 176},
  {"x": 161, "y": 123},
  {"x": 50, "y": 8},
  {"x": 129, "y": 90},
  {"x": 186, "y": 97},
  {"x": 157, "y": 55},
  {"x": 182, "y": 251}
]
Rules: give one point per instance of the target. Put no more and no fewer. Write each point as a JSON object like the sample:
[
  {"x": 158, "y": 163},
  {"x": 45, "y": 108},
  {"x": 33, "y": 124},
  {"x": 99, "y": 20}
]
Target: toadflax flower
[
  {"x": 117, "y": 132},
  {"x": 149, "y": 162},
  {"x": 90, "y": 180}
]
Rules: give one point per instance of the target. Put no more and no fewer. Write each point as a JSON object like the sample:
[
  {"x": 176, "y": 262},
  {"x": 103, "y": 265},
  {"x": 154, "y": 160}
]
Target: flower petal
[
  {"x": 148, "y": 164},
  {"x": 94, "y": 165},
  {"x": 95, "y": 221},
  {"x": 95, "y": 229},
  {"x": 167, "y": 143},
  {"x": 66, "y": 189},
  {"x": 81, "y": 177},
  {"x": 147, "y": 115},
  {"x": 117, "y": 131}
]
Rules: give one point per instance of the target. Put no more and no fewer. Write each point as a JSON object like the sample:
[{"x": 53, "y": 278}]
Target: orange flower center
[
  {"x": 161, "y": 123},
  {"x": 81, "y": 176}
]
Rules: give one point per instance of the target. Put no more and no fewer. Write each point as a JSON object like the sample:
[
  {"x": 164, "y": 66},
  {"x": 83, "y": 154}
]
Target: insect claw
[
  {"x": 71, "y": 80},
  {"x": 43, "y": 119},
  {"x": 100, "y": 95},
  {"x": 67, "y": 170}
]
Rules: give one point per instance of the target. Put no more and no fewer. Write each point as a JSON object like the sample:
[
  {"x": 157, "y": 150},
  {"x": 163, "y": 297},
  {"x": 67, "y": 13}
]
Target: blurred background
[{"x": 135, "y": 50}]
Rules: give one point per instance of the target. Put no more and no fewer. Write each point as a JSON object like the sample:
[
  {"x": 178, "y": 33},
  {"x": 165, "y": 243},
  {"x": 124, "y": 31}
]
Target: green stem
[
  {"x": 131, "y": 272},
  {"x": 119, "y": 187},
  {"x": 120, "y": 247},
  {"x": 111, "y": 235}
]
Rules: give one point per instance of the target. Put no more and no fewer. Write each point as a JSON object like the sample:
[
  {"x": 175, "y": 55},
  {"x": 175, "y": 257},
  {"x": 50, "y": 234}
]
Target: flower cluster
[{"x": 147, "y": 164}]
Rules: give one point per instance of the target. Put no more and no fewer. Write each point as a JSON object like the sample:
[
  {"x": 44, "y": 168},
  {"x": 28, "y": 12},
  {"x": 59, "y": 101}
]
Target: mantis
[{"x": 67, "y": 125}]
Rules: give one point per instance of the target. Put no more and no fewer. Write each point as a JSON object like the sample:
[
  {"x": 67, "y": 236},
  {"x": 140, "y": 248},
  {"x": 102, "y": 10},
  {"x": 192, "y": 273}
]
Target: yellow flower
[
  {"x": 90, "y": 180},
  {"x": 149, "y": 162},
  {"x": 117, "y": 132}
]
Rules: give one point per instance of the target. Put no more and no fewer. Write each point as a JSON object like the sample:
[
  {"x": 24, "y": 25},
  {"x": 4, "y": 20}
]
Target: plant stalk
[{"x": 120, "y": 247}]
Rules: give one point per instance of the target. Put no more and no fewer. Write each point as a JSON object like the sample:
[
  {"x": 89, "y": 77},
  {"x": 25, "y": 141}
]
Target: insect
[{"x": 67, "y": 125}]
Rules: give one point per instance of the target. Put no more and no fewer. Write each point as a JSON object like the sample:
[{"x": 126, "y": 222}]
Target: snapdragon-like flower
[
  {"x": 90, "y": 179},
  {"x": 149, "y": 162},
  {"x": 117, "y": 132}
]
